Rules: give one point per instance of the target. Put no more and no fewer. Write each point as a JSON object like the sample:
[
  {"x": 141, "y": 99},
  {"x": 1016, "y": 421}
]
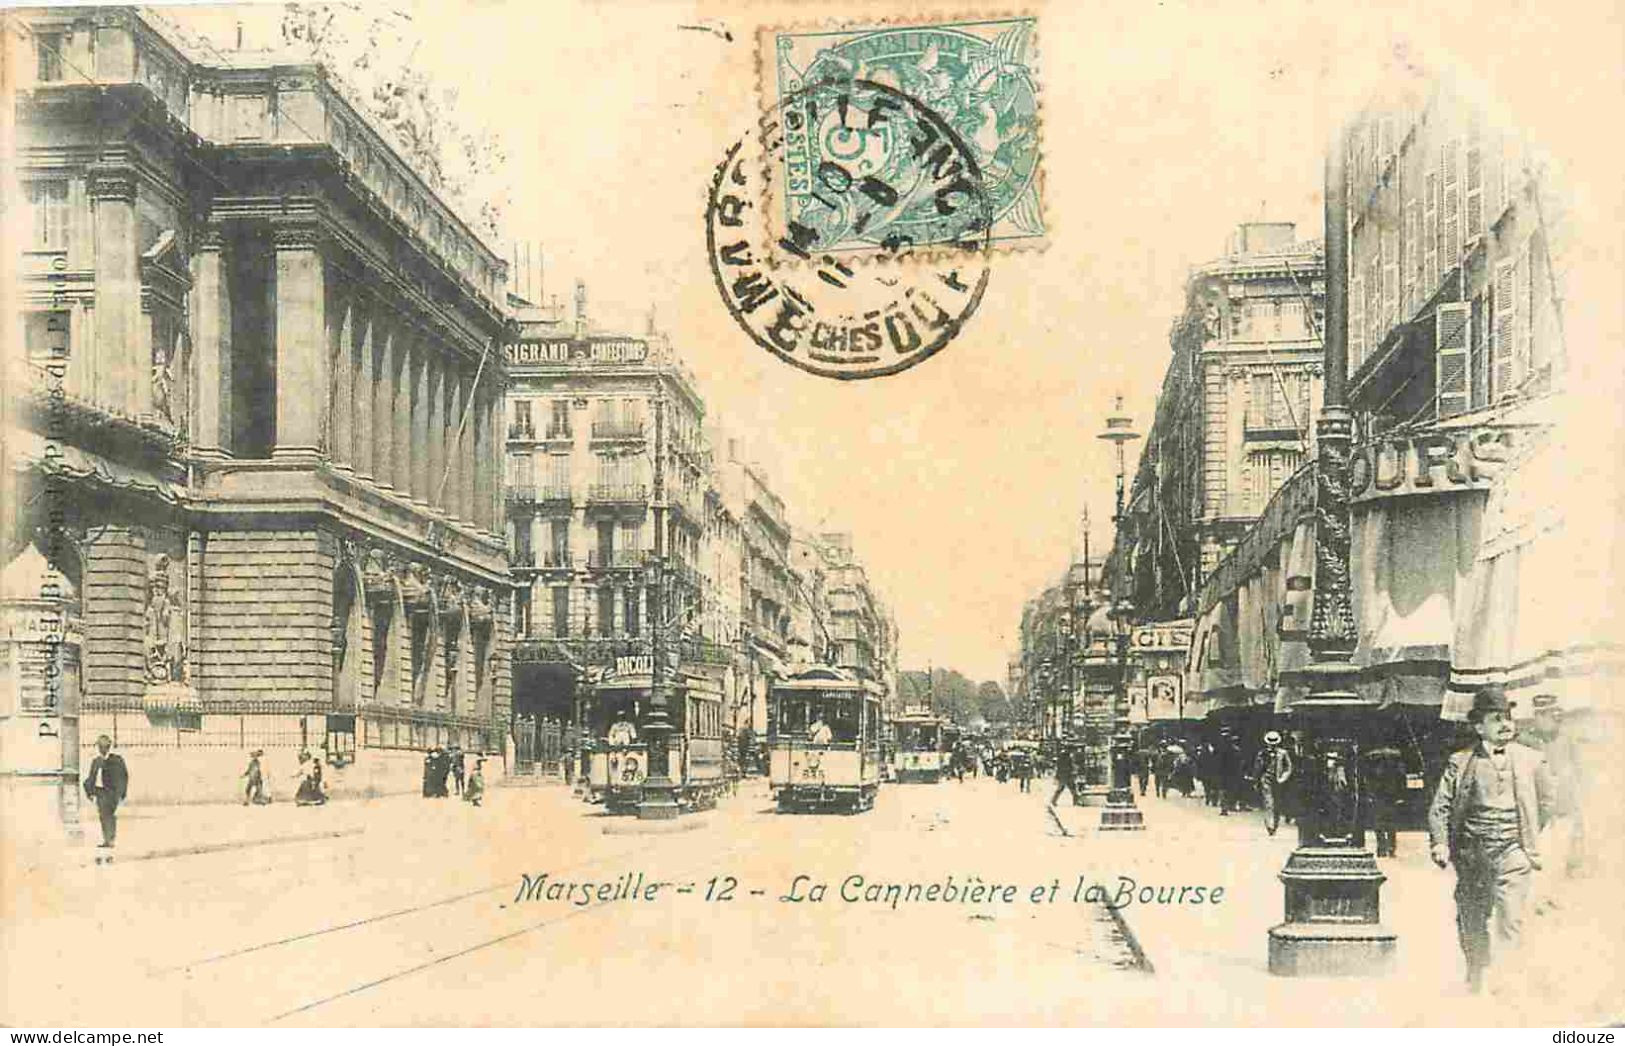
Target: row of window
[
  {"x": 1268, "y": 321},
  {"x": 610, "y": 417},
  {"x": 551, "y": 472},
  {"x": 605, "y": 602}
]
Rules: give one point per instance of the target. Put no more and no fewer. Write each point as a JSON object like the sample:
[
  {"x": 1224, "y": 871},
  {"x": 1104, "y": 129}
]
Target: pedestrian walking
[
  {"x": 254, "y": 780},
  {"x": 1485, "y": 818},
  {"x": 1064, "y": 778},
  {"x": 311, "y": 791},
  {"x": 1021, "y": 761},
  {"x": 474, "y": 791},
  {"x": 1382, "y": 773},
  {"x": 458, "y": 768},
  {"x": 1548, "y": 734},
  {"x": 107, "y": 783}
]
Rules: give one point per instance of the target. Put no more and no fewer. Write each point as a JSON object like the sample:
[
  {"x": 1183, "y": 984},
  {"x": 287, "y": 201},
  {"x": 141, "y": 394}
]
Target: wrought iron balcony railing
[
  {"x": 616, "y": 558},
  {"x": 617, "y": 430},
  {"x": 618, "y": 493}
]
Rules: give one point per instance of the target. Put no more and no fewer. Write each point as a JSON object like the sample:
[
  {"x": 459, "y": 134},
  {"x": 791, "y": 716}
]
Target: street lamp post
[
  {"x": 659, "y": 799},
  {"x": 1120, "y": 813},
  {"x": 1333, "y": 924}
]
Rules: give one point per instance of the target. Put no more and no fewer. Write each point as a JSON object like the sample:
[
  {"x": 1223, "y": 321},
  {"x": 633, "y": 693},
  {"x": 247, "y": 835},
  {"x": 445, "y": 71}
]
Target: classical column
[
  {"x": 341, "y": 420},
  {"x": 301, "y": 342},
  {"x": 435, "y": 434},
  {"x": 118, "y": 289},
  {"x": 420, "y": 421},
  {"x": 362, "y": 399},
  {"x": 480, "y": 495},
  {"x": 465, "y": 455},
  {"x": 451, "y": 498},
  {"x": 401, "y": 411},
  {"x": 383, "y": 420},
  {"x": 496, "y": 455},
  {"x": 211, "y": 349}
]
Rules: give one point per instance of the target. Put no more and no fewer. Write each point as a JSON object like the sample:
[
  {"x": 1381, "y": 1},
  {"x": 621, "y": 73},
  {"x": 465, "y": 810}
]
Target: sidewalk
[{"x": 1219, "y": 953}]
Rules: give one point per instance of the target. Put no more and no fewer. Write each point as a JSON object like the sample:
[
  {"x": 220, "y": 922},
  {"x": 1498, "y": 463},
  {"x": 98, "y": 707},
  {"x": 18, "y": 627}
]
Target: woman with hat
[{"x": 1485, "y": 818}]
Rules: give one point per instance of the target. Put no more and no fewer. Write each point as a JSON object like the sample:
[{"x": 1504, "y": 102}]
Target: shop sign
[
  {"x": 635, "y": 665},
  {"x": 1164, "y": 635},
  {"x": 1163, "y": 700},
  {"x": 1439, "y": 462}
]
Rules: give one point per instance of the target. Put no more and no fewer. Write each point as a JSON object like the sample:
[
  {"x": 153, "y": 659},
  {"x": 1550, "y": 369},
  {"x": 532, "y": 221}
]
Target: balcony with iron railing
[
  {"x": 616, "y": 558},
  {"x": 558, "y": 559},
  {"x": 556, "y": 431},
  {"x": 617, "y": 494},
  {"x": 521, "y": 431},
  {"x": 613, "y": 430},
  {"x": 1273, "y": 425}
]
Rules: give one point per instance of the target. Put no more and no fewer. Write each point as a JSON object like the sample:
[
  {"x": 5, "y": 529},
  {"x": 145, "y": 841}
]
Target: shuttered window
[
  {"x": 1450, "y": 217},
  {"x": 1481, "y": 353},
  {"x": 1411, "y": 262},
  {"x": 1504, "y": 311},
  {"x": 1430, "y": 233},
  {"x": 1452, "y": 359},
  {"x": 1523, "y": 326},
  {"x": 1357, "y": 348},
  {"x": 1475, "y": 191},
  {"x": 1390, "y": 277}
]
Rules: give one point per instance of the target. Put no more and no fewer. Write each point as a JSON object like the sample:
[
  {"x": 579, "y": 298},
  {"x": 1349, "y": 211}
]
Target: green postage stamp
[{"x": 979, "y": 77}]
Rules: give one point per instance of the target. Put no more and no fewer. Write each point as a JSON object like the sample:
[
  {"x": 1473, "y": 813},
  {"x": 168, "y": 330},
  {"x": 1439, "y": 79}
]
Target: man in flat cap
[
  {"x": 107, "y": 783},
  {"x": 1486, "y": 816}
]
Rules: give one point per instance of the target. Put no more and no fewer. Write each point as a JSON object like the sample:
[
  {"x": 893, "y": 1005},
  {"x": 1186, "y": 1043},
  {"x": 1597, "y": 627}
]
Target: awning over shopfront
[{"x": 1467, "y": 570}]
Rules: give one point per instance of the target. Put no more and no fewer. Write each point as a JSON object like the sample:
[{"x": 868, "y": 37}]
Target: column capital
[
  {"x": 300, "y": 235},
  {"x": 111, "y": 183}
]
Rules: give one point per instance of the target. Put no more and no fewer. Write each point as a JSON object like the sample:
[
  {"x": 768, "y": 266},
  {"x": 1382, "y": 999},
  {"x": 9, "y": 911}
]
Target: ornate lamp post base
[
  {"x": 1332, "y": 926},
  {"x": 1120, "y": 814},
  {"x": 1333, "y": 921}
]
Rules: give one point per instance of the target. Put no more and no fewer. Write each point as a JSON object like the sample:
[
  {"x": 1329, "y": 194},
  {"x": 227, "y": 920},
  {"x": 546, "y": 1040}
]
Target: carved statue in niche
[
  {"x": 163, "y": 377},
  {"x": 1211, "y": 318},
  {"x": 165, "y": 641}
]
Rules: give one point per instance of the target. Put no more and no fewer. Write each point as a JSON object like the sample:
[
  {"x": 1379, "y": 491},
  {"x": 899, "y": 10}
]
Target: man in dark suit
[
  {"x": 1486, "y": 817},
  {"x": 107, "y": 783}
]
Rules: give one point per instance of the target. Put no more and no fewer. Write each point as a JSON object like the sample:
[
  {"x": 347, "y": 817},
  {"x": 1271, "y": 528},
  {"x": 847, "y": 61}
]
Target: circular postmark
[{"x": 878, "y": 162}]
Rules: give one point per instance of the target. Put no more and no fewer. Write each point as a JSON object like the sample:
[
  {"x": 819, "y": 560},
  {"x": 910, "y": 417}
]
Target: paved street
[
  {"x": 414, "y": 919},
  {"x": 409, "y": 914}
]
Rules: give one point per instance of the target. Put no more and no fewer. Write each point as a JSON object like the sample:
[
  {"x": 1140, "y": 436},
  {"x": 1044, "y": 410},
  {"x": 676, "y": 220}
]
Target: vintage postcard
[{"x": 854, "y": 514}]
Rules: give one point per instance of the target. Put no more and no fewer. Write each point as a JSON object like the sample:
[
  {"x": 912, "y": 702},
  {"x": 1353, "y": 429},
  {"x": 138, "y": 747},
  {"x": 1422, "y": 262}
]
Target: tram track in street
[
  {"x": 373, "y": 920},
  {"x": 480, "y": 946}
]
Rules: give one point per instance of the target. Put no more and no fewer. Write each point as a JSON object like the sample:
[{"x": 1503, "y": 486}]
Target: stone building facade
[
  {"x": 257, "y": 445},
  {"x": 1234, "y": 417},
  {"x": 607, "y": 485}
]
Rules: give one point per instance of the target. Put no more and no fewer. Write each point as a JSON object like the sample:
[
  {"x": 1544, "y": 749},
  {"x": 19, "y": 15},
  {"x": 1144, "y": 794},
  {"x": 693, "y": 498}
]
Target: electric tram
[
  {"x": 824, "y": 746},
  {"x": 921, "y": 748},
  {"x": 615, "y": 716}
]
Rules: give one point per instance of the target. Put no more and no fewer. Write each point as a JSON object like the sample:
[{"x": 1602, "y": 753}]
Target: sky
[{"x": 963, "y": 480}]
